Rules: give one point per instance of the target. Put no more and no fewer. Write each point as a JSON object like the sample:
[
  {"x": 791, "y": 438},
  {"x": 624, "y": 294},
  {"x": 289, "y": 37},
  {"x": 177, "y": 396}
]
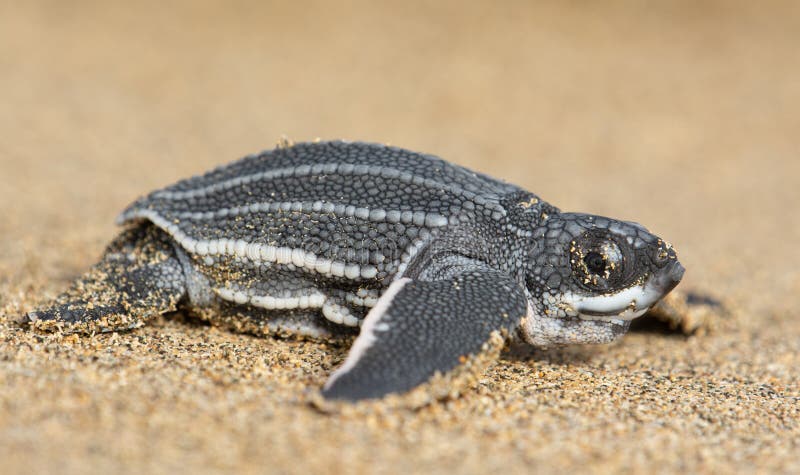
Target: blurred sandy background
[{"x": 684, "y": 116}]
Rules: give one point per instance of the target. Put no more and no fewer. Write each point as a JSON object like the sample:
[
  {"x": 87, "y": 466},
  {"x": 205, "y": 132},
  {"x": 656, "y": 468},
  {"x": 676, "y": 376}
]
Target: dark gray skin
[{"x": 432, "y": 261}]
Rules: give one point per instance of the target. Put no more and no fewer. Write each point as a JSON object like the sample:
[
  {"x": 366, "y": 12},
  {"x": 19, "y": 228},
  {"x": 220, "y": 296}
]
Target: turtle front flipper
[
  {"x": 424, "y": 331},
  {"x": 139, "y": 277}
]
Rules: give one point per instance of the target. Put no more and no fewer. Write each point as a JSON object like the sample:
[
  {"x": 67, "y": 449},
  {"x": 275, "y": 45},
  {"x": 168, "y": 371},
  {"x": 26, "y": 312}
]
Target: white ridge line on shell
[
  {"x": 311, "y": 300},
  {"x": 405, "y": 258},
  {"x": 366, "y": 299},
  {"x": 261, "y": 252},
  {"x": 333, "y": 169},
  {"x": 339, "y": 314},
  {"x": 367, "y": 336},
  {"x": 419, "y": 218}
]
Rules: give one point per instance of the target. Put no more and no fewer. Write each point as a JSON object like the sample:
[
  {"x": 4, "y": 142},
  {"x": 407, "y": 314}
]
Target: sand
[{"x": 682, "y": 116}]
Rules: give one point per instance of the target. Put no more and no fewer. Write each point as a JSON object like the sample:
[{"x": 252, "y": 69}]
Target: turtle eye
[
  {"x": 595, "y": 263},
  {"x": 600, "y": 262}
]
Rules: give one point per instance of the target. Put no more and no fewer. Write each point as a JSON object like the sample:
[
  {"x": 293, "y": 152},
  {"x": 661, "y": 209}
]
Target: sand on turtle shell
[{"x": 681, "y": 116}]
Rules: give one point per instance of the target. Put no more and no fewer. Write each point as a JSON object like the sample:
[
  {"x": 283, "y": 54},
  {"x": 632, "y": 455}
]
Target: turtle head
[{"x": 589, "y": 276}]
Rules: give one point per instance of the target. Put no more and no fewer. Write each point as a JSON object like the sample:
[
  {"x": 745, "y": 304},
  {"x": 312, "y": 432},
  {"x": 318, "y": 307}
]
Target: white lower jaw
[
  {"x": 625, "y": 305},
  {"x": 618, "y": 319}
]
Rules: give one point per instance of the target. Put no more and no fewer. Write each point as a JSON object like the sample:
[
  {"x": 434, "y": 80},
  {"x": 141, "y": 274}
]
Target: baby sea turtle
[{"x": 434, "y": 266}]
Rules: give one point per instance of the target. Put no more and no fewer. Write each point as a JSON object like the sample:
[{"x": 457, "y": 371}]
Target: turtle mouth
[
  {"x": 630, "y": 303},
  {"x": 618, "y": 318},
  {"x": 623, "y": 306}
]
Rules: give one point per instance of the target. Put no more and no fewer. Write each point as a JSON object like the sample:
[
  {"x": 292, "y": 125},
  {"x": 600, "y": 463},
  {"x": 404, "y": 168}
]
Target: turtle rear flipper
[{"x": 138, "y": 278}]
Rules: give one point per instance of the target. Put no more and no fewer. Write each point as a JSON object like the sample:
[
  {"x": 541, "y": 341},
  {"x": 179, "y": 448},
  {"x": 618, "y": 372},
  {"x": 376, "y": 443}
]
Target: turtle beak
[
  {"x": 660, "y": 284},
  {"x": 669, "y": 277}
]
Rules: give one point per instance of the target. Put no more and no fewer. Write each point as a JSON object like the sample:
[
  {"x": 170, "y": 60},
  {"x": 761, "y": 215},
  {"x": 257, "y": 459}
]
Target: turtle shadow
[
  {"x": 681, "y": 315},
  {"x": 572, "y": 354},
  {"x": 653, "y": 326},
  {"x": 581, "y": 353}
]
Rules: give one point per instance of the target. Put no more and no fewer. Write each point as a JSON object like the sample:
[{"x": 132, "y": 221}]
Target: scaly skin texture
[{"x": 426, "y": 260}]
